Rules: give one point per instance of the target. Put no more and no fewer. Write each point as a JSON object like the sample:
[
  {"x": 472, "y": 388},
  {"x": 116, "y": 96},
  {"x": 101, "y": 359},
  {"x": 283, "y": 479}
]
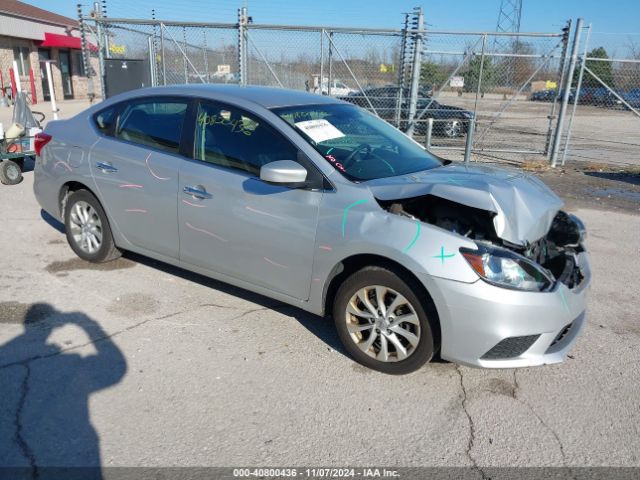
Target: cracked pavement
[{"x": 142, "y": 364}]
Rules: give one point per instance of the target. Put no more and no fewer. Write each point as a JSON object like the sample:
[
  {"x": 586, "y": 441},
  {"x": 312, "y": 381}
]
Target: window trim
[
  {"x": 316, "y": 180},
  {"x": 21, "y": 59}
]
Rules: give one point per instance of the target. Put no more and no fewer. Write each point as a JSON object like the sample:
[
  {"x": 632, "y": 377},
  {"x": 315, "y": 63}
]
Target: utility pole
[{"x": 418, "y": 26}]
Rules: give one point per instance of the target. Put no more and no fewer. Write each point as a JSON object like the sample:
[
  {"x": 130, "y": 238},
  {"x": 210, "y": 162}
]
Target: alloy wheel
[
  {"x": 383, "y": 323},
  {"x": 86, "y": 227},
  {"x": 453, "y": 128}
]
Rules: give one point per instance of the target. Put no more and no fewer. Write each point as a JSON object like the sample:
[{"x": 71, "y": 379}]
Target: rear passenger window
[
  {"x": 156, "y": 123},
  {"x": 105, "y": 119}
]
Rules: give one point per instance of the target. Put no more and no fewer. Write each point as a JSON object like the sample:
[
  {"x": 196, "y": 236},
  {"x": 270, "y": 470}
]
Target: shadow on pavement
[
  {"x": 322, "y": 328},
  {"x": 44, "y": 409}
]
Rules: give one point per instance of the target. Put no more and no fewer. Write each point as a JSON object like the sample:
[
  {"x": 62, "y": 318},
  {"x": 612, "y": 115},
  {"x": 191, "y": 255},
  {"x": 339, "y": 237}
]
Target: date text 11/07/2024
[{"x": 315, "y": 472}]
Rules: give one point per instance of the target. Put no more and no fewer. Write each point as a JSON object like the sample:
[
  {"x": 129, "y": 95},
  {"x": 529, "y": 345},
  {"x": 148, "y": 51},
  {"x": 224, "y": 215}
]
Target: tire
[
  {"x": 453, "y": 128},
  {"x": 365, "y": 343},
  {"x": 10, "y": 172},
  {"x": 87, "y": 228}
]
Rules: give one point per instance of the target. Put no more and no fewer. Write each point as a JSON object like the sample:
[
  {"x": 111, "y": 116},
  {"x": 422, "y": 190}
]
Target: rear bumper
[{"x": 491, "y": 327}]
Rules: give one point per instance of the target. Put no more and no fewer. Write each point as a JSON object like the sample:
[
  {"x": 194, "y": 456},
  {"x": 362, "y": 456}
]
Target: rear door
[
  {"x": 232, "y": 222},
  {"x": 135, "y": 165}
]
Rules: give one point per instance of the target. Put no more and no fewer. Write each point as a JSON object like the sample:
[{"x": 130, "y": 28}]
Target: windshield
[{"x": 357, "y": 144}]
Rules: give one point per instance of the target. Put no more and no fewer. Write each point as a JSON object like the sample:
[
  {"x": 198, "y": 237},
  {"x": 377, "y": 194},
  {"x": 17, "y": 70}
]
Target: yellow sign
[
  {"x": 551, "y": 85},
  {"x": 116, "y": 49},
  {"x": 387, "y": 68}
]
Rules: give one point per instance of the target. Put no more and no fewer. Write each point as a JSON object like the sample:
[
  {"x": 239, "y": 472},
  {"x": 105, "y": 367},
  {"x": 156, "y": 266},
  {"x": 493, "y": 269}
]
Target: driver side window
[{"x": 232, "y": 138}]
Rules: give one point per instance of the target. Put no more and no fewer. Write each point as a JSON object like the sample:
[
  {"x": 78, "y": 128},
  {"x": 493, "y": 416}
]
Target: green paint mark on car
[
  {"x": 344, "y": 215},
  {"x": 442, "y": 255},
  {"x": 415, "y": 239}
]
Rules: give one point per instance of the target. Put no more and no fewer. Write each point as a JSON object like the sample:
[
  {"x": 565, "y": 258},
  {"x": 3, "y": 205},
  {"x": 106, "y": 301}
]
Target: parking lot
[{"x": 142, "y": 364}]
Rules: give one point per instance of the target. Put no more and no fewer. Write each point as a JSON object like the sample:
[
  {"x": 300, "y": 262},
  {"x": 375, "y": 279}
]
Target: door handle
[
  {"x": 197, "y": 192},
  {"x": 106, "y": 167}
]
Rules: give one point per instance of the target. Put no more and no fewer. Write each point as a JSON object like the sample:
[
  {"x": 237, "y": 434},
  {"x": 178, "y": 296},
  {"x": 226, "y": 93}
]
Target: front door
[
  {"x": 65, "y": 72},
  {"x": 44, "y": 54},
  {"x": 233, "y": 223},
  {"x": 136, "y": 167}
]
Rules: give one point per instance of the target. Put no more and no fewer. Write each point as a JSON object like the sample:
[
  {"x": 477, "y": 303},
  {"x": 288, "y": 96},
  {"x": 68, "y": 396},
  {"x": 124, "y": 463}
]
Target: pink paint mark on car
[
  {"x": 187, "y": 202},
  {"x": 254, "y": 210},
  {"x": 131, "y": 185},
  {"x": 326, "y": 247},
  {"x": 62, "y": 163},
  {"x": 275, "y": 264},
  {"x": 146, "y": 160},
  {"x": 206, "y": 232},
  {"x": 135, "y": 210}
]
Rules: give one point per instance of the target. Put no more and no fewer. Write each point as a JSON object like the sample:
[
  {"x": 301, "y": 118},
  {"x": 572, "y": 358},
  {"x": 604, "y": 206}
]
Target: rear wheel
[
  {"x": 10, "y": 172},
  {"x": 382, "y": 322},
  {"x": 87, "y": 228}
]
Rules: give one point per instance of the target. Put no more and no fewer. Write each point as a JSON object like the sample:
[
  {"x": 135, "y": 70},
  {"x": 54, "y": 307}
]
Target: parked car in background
[
  {"x": 543, "y": 96},
  {"x": 449, "y": 121},
  {"x": 319, "y": 204},
  {"x": 338, "y": 88},
  {"x": 632, "y": 97}
]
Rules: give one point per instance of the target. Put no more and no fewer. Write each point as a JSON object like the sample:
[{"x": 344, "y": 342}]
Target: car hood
[{"x": 524, "y": 206}]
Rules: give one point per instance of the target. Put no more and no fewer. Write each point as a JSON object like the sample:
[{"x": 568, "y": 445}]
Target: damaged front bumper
[{"x": 487, "y": 326}]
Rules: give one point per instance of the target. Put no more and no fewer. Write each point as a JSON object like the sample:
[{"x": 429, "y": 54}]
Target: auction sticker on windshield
[{"x": 319, "y": 130}]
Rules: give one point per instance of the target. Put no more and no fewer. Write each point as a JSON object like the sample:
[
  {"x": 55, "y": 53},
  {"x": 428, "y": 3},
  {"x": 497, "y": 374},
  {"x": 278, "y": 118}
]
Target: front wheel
[
  {"x": 382, "y": 322},
  {"x": 453, "y": 128},
  {"x": 87, "y": 228}
]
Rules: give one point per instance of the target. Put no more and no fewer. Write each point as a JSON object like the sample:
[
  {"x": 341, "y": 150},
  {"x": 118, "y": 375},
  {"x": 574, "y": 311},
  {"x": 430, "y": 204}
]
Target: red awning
[{"x": 64, "y": 41}]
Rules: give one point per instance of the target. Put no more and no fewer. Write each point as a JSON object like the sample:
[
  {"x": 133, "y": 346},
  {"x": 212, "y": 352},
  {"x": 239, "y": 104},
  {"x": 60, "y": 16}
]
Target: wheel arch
[
  {"x": 67, "y": 189},
  {"x": 352, "y": 264}
]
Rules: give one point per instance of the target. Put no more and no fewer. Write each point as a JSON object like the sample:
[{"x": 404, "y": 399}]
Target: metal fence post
[
  {"x": 427, "y": 141},
  {"x": 330, "y": 79},
  {"x": 321, "y": 62},
  {"x": 468, "y": 145},
  {"x": 242, "y": 46},
  {"x": 415, "y": 72},
  {"x": 561, "y": 70},
  {"x": 162, "y": 55},
  {"x": 479, "y": 86},
  {"x": 566, "y": 93},
  {"x": 152, "y": 71},
  {"x": 401, "y": 70},
  {"x": 101, "y": 49},
  {"x": 577, "y": 94},
  {"x": 184, "y": 59},
  {"x": 205, "y": 52}
]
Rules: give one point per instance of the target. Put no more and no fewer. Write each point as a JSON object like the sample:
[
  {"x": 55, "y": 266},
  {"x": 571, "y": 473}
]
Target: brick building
[{"x": 29, "y": 35}]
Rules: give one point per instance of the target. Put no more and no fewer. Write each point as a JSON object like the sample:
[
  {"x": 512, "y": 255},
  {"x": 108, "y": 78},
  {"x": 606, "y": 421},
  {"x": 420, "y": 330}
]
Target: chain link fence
[
  {"x": 488, "y": 94},
  {"x": 605, "y": 96}
]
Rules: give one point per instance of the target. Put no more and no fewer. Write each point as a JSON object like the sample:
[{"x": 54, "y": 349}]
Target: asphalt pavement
[{"x": 135, "y": 363}]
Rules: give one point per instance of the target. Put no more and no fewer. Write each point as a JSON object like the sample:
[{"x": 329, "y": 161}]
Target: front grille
[
  {"x": 563, "y": 333},
  {"x": 510, "y": 347}
]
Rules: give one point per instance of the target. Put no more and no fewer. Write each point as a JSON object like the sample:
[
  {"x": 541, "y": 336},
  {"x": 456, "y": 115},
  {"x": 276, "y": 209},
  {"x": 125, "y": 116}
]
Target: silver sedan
[{"x": 319, "y": 204}]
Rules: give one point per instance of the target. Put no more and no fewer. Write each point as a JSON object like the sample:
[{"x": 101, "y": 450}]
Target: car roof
[{"x": 268, "y": 97}]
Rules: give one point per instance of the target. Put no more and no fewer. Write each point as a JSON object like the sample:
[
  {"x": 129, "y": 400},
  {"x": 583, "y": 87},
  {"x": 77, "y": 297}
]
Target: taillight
[{"x": 40, "y": 140}]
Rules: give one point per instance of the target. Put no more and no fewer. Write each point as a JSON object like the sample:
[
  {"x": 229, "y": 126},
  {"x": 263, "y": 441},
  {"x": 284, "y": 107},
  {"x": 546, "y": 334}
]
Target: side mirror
[{"x": 284, "y": 172}]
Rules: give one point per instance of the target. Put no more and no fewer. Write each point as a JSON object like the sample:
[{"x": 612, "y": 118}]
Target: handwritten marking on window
[{"x": 242, "y": 125}]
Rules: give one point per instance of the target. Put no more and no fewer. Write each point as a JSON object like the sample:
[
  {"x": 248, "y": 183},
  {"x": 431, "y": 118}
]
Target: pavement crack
[
  {"x": 91, "y": 342},
  {"x": 20, "y": 441},
  {"x": 215, "y": 305},
  {"x": 522, "y": 401},
  {"x": 472, "y": 427}
]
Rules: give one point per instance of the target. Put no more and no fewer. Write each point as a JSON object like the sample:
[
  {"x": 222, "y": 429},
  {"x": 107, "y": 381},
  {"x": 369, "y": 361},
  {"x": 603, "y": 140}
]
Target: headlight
[{"x": 507, "y": 269}]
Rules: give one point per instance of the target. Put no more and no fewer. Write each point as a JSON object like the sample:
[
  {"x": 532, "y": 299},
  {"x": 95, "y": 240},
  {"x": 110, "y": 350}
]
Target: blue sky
[{"x": 615, "y": 17}]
